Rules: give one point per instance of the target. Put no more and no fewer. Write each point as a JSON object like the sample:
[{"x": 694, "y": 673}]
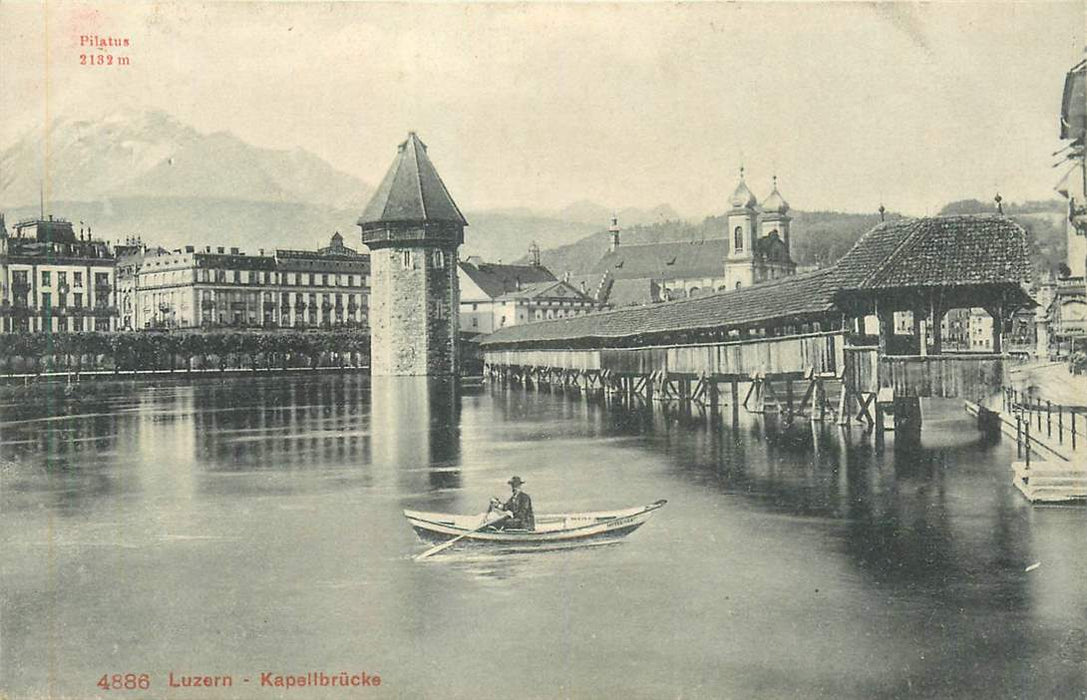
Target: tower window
[
  {"x": 739, "y": 284},
  {"x": 738, "y": 238},
  {"x": 439, "y": 258},
  {"x": 405, "y": 259}
]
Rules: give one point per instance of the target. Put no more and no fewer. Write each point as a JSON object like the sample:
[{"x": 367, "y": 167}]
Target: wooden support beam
[{"x": 750, "y": 390}]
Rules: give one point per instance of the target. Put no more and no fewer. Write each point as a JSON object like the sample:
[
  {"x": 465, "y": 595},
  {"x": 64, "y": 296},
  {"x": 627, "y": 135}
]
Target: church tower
[
  {"x": 413, "y": 228},
  {"x": 775, "y": 216},
  {"x": 742, "y": 222}
]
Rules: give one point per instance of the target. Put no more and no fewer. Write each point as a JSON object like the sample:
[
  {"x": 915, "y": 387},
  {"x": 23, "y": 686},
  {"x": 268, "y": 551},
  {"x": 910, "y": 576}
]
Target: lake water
[{"x": 254, "y": 526}]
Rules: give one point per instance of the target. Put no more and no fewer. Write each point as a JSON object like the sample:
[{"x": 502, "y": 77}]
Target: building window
[
  {"x": 78, "y": 276},
  {"x": 439, "y": 259},
  {"x": 739, "y": 284},
  {"x": 47, "y": 278},
  {"x": 738, "y": 238},
  {"x": 62, "y": 279}
]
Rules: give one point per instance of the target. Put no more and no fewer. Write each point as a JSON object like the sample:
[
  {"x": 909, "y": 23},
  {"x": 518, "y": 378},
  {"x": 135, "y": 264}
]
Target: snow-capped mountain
[{"x": 151, "y": 154}]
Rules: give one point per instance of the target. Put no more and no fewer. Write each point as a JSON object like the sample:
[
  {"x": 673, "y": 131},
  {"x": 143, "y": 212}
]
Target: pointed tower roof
[
  {"x": 742, "y": 197},
  {"x": 411, "y": 190},
  {"x": 775, "y": 203}
]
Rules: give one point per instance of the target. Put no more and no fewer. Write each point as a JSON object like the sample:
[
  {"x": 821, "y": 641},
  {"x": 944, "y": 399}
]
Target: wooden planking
[
  {"x": 971, "y": 377},
  {"x": 819, "y": 351},
  {"x": 557, "y": 359},
  {"x": 862, "y": 369}
]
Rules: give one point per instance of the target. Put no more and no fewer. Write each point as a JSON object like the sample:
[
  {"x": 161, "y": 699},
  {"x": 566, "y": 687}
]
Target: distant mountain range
[
  {"x": 128, "y": 173},
  {"x": 137, "y": 173},
  {"x": 151, "y": 154}
]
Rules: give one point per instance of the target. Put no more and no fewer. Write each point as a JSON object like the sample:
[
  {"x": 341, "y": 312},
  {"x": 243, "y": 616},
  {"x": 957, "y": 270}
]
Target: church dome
[
  {"x": 775, "y": 203},
  {"x": 742, "y": 198}
]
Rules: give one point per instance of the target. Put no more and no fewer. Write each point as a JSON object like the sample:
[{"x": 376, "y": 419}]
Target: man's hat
[{"x": 515, "y": 481}]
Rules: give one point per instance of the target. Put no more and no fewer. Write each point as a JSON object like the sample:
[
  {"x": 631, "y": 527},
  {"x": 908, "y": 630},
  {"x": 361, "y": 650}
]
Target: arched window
[
  {"x": 694, "y": 291},
  {"x": 739, "y": 284},
  {"x": 738, "y": 238}
]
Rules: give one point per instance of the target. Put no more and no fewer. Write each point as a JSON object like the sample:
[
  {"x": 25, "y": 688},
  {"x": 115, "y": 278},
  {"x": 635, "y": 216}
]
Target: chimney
[
  {"x": 614, "y": 231},
  {"x": 882, "y": 211},
  {"x": 999, "y": 207}
]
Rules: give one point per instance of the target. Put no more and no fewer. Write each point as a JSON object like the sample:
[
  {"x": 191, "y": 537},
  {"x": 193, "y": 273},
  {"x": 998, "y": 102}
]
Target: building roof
[
  {"x": 798, "y": 296},
  {"x": 554, "y": 289},
  {"x": 665, "y": 261},
  {"x": 496, "y": 280},
  {"x": 635, "y": 292},
  {"x": 946, "y": 251},
  {"x": 775, "y": 203},
  {"x": 412, "y": 190},
  {"x": 742, "y": 197}
]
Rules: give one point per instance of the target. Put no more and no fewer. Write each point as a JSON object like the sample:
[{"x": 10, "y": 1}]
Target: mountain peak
[{"x": 125, "y": 151}]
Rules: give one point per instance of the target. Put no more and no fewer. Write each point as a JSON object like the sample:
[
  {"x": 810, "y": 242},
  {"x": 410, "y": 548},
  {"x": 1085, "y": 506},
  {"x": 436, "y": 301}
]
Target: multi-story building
[
  {"x": 493, "y": 295},
  {"x": 53, "y": 280},
  {"x": 209, "y": 288}
]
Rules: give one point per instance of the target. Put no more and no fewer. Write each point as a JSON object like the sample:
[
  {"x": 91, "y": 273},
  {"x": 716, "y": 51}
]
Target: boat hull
[{"x": 572, "y": 529}]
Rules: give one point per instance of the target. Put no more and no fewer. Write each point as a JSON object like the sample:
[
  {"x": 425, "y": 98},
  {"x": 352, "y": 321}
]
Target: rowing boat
[{"x": 551, "y": 529}]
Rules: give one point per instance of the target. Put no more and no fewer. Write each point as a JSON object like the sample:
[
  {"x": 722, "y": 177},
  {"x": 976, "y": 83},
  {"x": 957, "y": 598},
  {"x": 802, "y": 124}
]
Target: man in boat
[{"x": 519, "y": 506}]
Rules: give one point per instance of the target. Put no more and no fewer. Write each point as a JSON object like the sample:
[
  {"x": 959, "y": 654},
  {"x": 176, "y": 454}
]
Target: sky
[{"x": 637, "y": 104}]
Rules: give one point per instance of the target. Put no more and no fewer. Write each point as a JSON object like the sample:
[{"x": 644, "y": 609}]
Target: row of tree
[{"x": 143, "y": 350}]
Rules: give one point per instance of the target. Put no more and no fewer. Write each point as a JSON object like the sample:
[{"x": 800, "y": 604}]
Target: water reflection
[
  {"x": 793, "y": 558},
  {"x": 416, "y": 424}
]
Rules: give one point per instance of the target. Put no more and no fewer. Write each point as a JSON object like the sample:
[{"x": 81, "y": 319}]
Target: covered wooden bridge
[{"x": 832, "y": 324}]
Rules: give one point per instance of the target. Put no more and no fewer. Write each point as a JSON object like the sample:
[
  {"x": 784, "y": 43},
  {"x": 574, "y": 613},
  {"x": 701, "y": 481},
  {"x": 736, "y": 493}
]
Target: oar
[{"x": 446, "y": 545}]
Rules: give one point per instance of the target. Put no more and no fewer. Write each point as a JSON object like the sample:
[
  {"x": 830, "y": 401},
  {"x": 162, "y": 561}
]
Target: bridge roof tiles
[
  {"x": 947, "y": 251},
  {"x": 799, "y": 296}
]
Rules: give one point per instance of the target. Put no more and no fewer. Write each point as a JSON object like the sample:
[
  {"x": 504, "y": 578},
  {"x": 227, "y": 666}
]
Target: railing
[{"x": 1059, "y": 424}]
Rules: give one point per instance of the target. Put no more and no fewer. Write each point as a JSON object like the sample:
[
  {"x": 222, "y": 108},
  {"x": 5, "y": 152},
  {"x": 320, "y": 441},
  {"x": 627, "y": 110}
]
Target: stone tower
[{"x": 413, "y": 228}]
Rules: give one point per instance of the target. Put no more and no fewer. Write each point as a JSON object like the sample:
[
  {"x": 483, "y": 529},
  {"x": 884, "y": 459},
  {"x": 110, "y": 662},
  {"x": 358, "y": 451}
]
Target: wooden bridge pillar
[{"x": 886, "y": 329}]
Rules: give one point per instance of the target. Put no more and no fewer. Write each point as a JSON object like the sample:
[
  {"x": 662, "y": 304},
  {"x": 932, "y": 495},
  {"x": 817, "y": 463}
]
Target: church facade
[{"x": 754, "y": 247}]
